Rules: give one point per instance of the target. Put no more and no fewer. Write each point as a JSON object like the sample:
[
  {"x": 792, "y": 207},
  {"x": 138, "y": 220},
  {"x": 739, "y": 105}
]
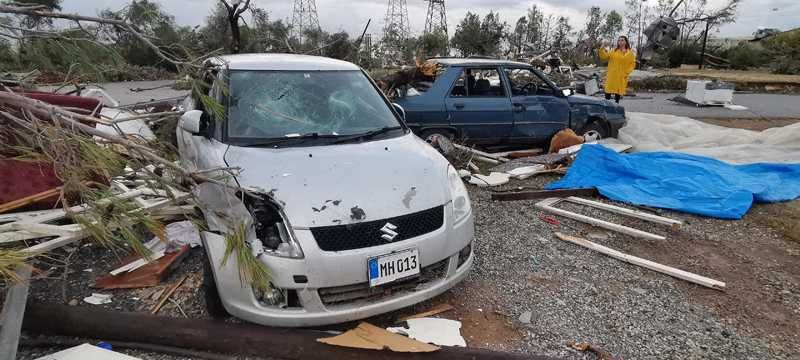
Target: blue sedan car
[{"x": 496, "y": 102}]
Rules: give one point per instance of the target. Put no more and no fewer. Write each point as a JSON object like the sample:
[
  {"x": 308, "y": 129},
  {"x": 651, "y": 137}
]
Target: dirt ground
[
  {"x": 750, "y": 76},
  {"x": 757, "y": 124}
]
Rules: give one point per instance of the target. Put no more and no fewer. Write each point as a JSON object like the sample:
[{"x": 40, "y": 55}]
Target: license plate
[{"x": 387, "y": 268}]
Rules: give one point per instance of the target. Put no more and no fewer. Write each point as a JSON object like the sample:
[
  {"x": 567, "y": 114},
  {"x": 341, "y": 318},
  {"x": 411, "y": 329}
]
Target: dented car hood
[{"x": 346, "y": 183}]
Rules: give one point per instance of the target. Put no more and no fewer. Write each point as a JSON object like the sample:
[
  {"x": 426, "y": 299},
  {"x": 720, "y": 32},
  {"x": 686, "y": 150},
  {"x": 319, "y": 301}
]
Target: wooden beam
[
  {"x": 13, "y": 311},
  {"x": 547, "y": 205},
  {"x": 220, "y": 336},
  {"x": 627, "y": 212},
  {"x": 671, "y": 271},
  {"x": 542, "y": 194}
]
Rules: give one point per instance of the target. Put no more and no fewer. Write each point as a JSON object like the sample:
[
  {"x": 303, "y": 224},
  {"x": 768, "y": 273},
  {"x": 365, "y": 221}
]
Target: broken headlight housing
[
  {"x": 458, "y": 193},
  {"x": 271, "y": 229},
  {"x": 271, "y": 296}
]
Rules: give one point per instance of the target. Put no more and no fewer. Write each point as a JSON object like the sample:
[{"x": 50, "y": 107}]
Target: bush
[
  {"x": 744, "y": 56},
  {"x": 784, "y": 50}
]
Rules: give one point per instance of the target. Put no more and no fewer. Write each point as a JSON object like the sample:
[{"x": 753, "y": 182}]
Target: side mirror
[
  {"x": 190, "y": 121},
  {"x": 400, "y": 110}
]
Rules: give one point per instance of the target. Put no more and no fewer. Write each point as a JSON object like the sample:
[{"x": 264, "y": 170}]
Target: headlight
[
  {"x": 272, "y": 229},
  {"x": 458, "y": 193}
]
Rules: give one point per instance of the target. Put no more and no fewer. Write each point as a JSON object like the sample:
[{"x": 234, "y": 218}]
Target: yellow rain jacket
[{"x": 620, "y": 65}]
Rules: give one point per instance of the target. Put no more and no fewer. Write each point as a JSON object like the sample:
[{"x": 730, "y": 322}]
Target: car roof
[
  {"x": 477, "y": 61},
  {"x": 280, "y": 62}
]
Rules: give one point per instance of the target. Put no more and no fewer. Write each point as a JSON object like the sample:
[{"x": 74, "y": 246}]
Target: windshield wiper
[
  {"x": 366, "y": 135},
  {"x": 298, "y": 138}
]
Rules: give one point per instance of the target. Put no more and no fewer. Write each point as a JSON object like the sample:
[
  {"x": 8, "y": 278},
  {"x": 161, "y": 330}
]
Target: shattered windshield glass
[{"x": 281, "y": 104}]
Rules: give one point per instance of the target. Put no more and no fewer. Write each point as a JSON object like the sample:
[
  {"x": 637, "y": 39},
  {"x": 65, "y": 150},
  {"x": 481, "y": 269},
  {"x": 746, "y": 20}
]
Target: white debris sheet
[
  {"x": 87, "y": 352},
  {"x": 661, "y": 132},
  {"x": 435, "y": 331}
]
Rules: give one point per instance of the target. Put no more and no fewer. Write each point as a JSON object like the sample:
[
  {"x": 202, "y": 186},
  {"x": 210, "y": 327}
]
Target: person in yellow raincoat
[{"x": 621, "y": 62}]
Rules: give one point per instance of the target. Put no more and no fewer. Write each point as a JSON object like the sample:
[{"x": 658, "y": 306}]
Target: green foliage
[
  {"x": 784, "y": 50},
  {"x": 251, "y": 270},
  {"x": 476, "y": 37},
  {"x": 611, "y": 26},
  {"x": 744, "y": 56},
  {"x": 432, "y": 44}
]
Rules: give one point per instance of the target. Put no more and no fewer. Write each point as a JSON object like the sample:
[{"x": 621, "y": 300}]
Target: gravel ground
[
  {"x": 576, "y": 294},
  {"x": 573, "y": 294}
]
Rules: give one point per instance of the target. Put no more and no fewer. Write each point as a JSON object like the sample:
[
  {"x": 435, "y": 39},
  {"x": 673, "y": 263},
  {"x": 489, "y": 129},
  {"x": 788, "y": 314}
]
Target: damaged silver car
[{"x": 351, "y": 213}]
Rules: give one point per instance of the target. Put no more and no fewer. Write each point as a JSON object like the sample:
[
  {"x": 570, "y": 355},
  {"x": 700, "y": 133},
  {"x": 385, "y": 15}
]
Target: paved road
[{"x": 758, "y": 105}]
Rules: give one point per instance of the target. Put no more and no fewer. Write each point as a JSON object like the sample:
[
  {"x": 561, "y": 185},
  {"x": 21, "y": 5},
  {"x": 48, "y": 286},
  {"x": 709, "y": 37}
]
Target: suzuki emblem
[{"x": 389, "y": 232}]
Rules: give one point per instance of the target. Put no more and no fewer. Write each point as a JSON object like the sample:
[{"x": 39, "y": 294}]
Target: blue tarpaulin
[{"x": 682, "y": 182}]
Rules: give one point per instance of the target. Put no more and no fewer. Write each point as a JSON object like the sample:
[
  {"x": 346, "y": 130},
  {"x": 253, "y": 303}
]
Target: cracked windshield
[{"x": 278, "y": 104}]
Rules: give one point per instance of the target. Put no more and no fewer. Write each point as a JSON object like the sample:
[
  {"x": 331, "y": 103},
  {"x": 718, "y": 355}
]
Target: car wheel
[
  {"x": 430, "y": 134},
  {"x": 211, "y": 294},
  {"x": 595, "y": 129}
]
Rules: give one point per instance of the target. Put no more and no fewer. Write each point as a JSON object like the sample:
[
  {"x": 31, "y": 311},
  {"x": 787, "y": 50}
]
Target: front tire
[
  {"x": 210, "y": 293},
  {"x": 430, "y": 134},
  {"x": 598, "y": 127}
]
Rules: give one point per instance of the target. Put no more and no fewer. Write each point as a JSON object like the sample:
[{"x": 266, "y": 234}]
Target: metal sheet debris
[
  {"x": 444, "y": 332},
  {"x": 87, "y": 352}
]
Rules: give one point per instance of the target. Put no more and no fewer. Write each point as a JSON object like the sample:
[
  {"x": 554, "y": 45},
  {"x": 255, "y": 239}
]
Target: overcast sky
[{"x": 351, "y": 16}]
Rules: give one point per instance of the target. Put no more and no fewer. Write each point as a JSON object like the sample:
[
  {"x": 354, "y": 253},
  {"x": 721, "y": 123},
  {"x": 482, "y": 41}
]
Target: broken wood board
[
  {"x": 625, "y": 211},
  {"x": 479, "y": 153},
  {"x": 671, "y": 271},
  {"x": 547, "y": 159},
  {"x": 438, "y": 309},
  {"x": 148, "y": 275},
  {"x": 542, "y": 194},
  {"x": 549, "y": 206},
  {"x": 368, "y": 336},
  {"x": 493, "y": 179},
  {"x": 12, "y": 315}
]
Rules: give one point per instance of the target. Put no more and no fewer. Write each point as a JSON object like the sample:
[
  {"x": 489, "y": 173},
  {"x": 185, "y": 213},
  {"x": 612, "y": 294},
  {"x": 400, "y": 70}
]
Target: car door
[
  {"x": 539, "y": 109},
  {"x": 478, "y": 105}
]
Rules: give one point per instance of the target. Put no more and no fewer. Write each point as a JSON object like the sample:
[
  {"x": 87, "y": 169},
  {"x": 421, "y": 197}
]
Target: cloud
[{"x": 351, "y": 16}]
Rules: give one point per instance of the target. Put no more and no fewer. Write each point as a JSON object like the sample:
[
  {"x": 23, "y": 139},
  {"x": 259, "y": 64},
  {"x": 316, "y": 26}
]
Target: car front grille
[
  {"x": 349, "y": 294},
  {"x": 368, "y": 233}
]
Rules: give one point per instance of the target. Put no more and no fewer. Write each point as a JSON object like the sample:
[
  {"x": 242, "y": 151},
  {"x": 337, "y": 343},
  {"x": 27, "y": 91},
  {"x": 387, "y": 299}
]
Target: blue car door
[
  {"x": 539, "y": 110},
  {"x": 478, "y": 105}
]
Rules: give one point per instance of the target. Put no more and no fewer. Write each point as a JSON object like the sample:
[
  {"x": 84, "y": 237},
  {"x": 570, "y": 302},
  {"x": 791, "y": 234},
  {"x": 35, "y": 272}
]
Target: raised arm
[{"x": 602, "y": 53}]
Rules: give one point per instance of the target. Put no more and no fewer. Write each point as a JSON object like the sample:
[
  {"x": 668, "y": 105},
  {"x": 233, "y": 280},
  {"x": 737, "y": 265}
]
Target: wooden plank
[
  {"x": 14, "y": 236},
  {"x": 671, "y": 271},
  {"x": 542, "y": 194},
  {"x": 13, "y": 312},
  {"x": 480, "y": 153},
  {"x": 220, "y": 336},
  {"x": 627, "y": 212},
  {"x": 438, "y": 309},
  {"x": 547, "y": 205},
  {"x": 11, "y": 205}
]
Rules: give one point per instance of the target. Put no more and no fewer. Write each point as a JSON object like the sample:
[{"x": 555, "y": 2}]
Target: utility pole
[
  {"x": 304, "y": 18},
  {"x": 396, "y": 31}
]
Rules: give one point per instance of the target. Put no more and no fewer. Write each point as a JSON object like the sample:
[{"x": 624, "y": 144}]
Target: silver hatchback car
[{"x": 356, "y": 215}]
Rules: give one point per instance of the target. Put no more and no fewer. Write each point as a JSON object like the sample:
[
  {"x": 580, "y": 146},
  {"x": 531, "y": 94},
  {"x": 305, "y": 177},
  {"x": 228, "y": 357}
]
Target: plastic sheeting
[
  {"x": 657, "y": 132},
  {"x": 683, "y": 182}
]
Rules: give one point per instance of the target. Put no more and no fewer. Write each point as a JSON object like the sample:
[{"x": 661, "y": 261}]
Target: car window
[
  {"x": 526, "y": 82},
  {"x": 478, "y": 82},
  {"x": 280, "y": 104}
]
